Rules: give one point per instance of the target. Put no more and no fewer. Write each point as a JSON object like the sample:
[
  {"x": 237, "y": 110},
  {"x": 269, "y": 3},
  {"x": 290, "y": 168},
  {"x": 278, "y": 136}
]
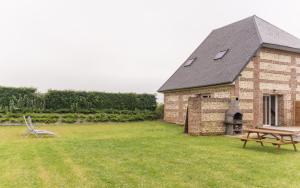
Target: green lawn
[{"x": 144, "y": 154}]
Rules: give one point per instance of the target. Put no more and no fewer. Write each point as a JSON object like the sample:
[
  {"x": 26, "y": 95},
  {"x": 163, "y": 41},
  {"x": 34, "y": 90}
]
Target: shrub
[
  {"x": 45, "y": 120},
  {"x": 16, "y": 120},
  {"x": 69, "y": 120},
  {"x": 2, "y": 119},
  {"x": 113, "y": 115},
  {"x": 160, "y": 111},
  {"x": 101, "y": 118},
  {"x": 13, "y": 115}
]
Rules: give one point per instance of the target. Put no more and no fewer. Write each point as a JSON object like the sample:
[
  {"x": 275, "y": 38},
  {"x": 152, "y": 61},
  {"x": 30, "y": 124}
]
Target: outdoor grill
[{"x": 234, "y": 118}]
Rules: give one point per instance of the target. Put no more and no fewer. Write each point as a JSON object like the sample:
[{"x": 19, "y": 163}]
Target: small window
[
  {"x": 221, "y": 54},
  {"x": 189, "y": 62},
  {"x": 205, "y": 95}
]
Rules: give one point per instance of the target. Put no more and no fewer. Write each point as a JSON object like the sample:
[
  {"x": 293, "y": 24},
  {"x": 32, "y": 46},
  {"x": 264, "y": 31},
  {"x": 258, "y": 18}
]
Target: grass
[{"x": 143, "y": 154}]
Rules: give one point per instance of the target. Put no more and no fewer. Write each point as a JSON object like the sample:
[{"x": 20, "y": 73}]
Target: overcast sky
[{"x": 115, "y": 46}]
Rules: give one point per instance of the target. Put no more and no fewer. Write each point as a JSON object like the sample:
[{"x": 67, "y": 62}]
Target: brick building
[{"x": 251, "y": 60}]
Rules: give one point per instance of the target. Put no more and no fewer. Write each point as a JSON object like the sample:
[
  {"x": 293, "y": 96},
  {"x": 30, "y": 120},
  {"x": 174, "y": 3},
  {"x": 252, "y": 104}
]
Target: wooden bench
[{"x": 263, "y": 134}]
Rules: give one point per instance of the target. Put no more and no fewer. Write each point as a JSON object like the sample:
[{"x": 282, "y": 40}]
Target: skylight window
[
  {"x": 221, "y": 54},
  {"x": 189, "y": 62}
]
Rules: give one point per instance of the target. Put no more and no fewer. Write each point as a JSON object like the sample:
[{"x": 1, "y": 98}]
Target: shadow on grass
[
  {"x": 268, "y": 149},
  {"x": 39, "y": 137}
]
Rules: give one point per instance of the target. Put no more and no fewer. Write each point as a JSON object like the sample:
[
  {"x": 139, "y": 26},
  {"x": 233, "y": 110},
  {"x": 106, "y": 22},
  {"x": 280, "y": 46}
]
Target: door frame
[{"x": 265, "y": 119}]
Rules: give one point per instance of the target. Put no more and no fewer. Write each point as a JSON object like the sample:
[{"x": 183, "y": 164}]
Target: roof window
[
  {"x": 221, "y": 54},
  {"x": 189, "y": 62}
]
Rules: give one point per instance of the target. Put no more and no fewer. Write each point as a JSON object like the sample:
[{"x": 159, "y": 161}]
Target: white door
[{"x": 270, "y": 110}]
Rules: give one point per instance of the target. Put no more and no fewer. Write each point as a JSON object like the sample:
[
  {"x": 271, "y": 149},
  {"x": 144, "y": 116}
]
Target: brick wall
[
  {"x": 194, "y": 120},
  {"x": 270, "y": 72}
]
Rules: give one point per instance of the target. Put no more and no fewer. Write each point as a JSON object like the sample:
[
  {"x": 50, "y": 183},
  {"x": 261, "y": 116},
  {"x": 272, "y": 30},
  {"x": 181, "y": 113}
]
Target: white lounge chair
[{"x": 33, "y": 131}]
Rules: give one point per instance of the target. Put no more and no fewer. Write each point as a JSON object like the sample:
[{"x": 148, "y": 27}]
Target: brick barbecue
[{"x": 233, "y": 118}]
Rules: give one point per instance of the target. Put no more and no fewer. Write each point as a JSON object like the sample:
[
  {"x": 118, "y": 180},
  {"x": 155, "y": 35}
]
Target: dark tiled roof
[{"x": 243, "y": 39}]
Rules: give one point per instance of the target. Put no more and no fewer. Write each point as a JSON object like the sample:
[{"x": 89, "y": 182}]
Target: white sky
[{"x": 115, "y": 46}]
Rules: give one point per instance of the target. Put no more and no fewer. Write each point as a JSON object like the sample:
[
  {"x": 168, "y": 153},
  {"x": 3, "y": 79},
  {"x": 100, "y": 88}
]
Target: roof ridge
[
  {"x": 256, "y": 28},
  {"x": 233, "y": 23},
  {"x": 256, "y": 17}
]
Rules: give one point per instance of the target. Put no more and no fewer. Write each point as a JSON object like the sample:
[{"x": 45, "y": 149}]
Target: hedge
[
  {"x": 12, "y": 99},
  {"x": 81, "y": 100},
  {"x": 68, "y": 101},
  {"x": 17, "y": 118}
]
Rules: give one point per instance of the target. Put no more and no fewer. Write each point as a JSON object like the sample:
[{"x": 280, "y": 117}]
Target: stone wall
[
  {"x": 176, "y": 102},
  {"x": 206, "y": 115},
  {"x": 194, "y": 116}
]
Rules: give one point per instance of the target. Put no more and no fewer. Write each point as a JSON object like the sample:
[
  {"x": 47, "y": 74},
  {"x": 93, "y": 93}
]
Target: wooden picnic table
[{"x": 262, "y": 135}]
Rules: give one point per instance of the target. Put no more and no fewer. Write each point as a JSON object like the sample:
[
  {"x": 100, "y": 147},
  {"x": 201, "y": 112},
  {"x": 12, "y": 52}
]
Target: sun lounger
[{"x": 32, "y": 131}]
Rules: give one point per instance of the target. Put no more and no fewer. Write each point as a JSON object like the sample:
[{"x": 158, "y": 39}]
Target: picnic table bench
[{"x": 280, "y": 137}]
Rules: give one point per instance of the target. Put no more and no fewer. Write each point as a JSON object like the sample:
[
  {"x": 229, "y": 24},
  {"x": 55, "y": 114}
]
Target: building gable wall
[{"x": 270, "y": 72}]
